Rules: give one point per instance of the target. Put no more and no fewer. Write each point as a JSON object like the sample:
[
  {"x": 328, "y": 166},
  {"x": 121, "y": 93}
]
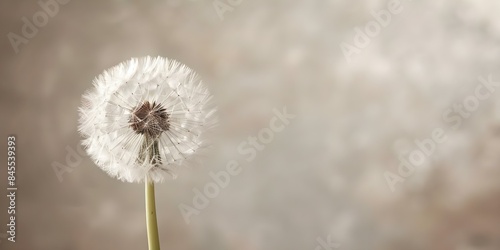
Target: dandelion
[{"x": 143, "y": 118}]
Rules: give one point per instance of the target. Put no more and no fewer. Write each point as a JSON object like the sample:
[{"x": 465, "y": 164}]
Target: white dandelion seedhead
[{"x": 144, "y": 117}]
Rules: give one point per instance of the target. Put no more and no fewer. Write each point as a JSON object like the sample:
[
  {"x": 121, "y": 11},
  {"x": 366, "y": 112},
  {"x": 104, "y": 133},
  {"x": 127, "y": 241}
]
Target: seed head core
[{"x": 150, "y": 119}]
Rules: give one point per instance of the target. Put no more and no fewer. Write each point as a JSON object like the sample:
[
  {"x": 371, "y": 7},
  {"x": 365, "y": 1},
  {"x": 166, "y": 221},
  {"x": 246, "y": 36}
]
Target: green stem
[{"x": 151, "y": 222}]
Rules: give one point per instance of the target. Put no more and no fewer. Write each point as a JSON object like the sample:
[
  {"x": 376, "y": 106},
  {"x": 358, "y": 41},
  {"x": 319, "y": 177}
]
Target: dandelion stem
[
  {"x": 151, "y": 222},
  {"x": 150, "y": 147}
]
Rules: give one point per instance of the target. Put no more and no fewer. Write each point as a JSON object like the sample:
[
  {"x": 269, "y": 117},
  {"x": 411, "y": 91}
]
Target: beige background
[{"x": 323, "y": 175}]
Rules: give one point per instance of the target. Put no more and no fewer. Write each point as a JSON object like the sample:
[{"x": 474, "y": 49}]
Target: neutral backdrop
[{"x": 321, "y": 179}]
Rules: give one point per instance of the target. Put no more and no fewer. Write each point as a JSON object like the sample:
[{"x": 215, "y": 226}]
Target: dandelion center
[{"x": 150, "y": 119}]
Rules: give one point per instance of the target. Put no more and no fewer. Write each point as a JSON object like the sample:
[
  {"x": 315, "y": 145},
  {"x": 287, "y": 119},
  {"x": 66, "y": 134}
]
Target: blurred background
[{"x": 330, "y": 180}]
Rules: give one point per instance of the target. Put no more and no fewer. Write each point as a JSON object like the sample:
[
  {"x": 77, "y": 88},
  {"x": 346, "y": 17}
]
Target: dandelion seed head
[{"x": 145, "y": 117}]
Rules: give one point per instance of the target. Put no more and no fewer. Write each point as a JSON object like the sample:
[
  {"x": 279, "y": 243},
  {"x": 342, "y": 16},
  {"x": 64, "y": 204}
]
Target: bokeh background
[{"x": 321, "y": 179}]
